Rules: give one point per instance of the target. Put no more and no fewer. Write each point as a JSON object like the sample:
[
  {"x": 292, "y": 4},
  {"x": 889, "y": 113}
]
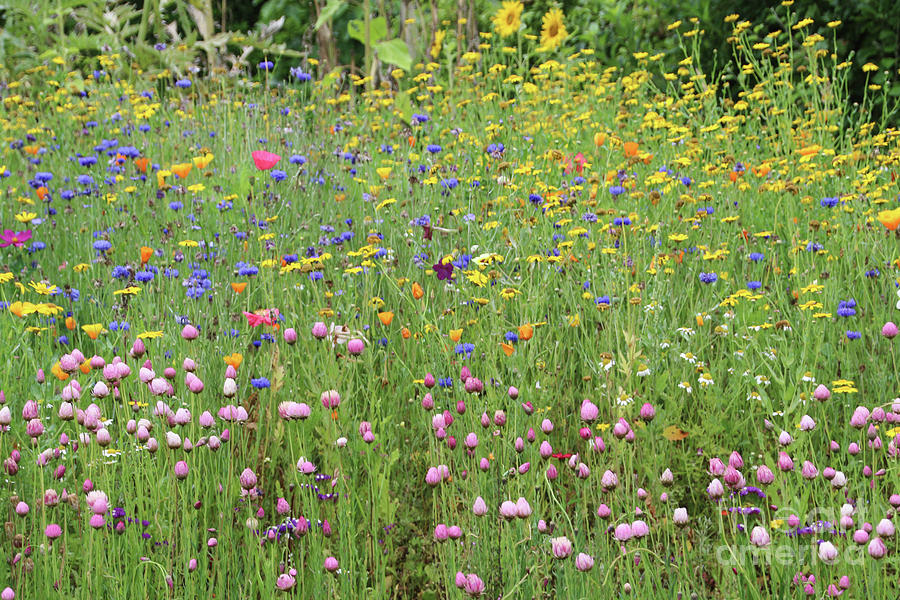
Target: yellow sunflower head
[
  {"x": 508, "y": 19},
  {"x": 554, "y": 30}
]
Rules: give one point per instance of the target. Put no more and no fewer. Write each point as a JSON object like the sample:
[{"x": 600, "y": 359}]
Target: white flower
[{"x": 688, "y": 357}]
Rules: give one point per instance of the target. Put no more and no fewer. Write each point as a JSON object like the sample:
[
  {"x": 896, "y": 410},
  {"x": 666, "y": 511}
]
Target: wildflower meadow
[{"x": 505, "y": 321}]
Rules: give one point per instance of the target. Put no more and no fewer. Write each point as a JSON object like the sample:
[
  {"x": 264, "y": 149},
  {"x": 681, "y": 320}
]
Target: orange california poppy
[
  {"x": 526, "y": 331},
  {"x": 234, "y": 360},
  {"x": 386, "y": 318},
  {"x": 85, "y": 366},
  {"x": 93, "y": 330},
  {"x": 58, "y": 372},
  {"x": 417, "y": 290},
  {"x": 146, "y": 253},
  {"x": 455, "y": 334},
  {"x": 42, "y": 192},
  {"x": 508, "y": 349},
  {"x": 142, "y": 163},
  {"x": 70, "y": 323},
  {"x": 405, "y": 333},
  {"x": 890, "y": 218},
  {"x": 412, "y": 141},
  {"x": 599, "y": 138},
  {"x": 631, "y": 149},
  {"x": 762, "y": 170},
  {"x": 182, "y": 170},
  {"x": 238, "y": 287}
]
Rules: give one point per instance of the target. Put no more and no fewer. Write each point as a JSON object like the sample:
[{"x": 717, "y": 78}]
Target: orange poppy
[
  {"x": 455, "y": 334},
  {"x": 182, "y": 170},
  {"x": 238, "y": 287},
  {"x": 32, "y": 150},
  {"x": 599, "y": 139},
  {"x": 146, "y": 253},
  {"x": 526, "y": 331},
  {"x": 85, "y": 366},
  {"x": 762, "y": 171},
  {"x": 93, "y": 330},
  {"x": 58, "y": 372},
  {"x": 234, "y": 360},
  {"x": 70, "y": 323},
  {"x": 890, "y": 218},
  {"x": 417, "y": 290},
  {"x": 405, "y": 333},
  {"x": 412, "y": 141},
  {"x": 386, "y": 318},
  {"x": 631, "y": 149},
  {"x": 42, "y": 192},
  {"x": 142, "y": 163},
  {"x": 508, "y": 349}
]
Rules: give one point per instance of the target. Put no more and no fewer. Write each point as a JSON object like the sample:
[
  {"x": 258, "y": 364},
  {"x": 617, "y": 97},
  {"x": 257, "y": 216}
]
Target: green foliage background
[{"x": 33, "y": 32}]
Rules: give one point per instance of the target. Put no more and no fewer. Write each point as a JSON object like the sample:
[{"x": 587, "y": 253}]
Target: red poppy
[
  {"x": 562, "y": 456},
  {"x": 265, "y": 160}
]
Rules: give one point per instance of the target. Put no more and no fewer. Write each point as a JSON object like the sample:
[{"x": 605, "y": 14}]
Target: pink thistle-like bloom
[
  {"x": 561, "y": 547},
  {"x": 331, "y": 564},
  {"x": 584, "y": 562},
  {"x": 53, "y": 531},
  {"x": 889, "y": 330},
  {"x": 330, "y": 399},
  {"x": 248, "y": 479},
  {"x": 319, "y": 330},
  {"x": 284, "y": 582},
  {"x": 356, "y": 346}
]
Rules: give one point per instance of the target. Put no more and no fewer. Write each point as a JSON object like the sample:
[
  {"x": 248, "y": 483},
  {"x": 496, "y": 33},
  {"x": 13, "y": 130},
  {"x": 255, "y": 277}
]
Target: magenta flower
[
  {"x": 265, "y": 160},
  {"x": 13, "y": 238}
]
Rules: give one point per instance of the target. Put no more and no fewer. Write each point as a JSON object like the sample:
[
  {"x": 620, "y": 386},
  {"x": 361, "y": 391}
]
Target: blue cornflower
[
  {"x": 433, "y": 148},
  {"x": 260, "y": 383},
  {"x": 708, "y": 277},
  {"x": 102, "y": 245},
  {"x": 183, "y": 83},
  {"x": 616, "y": 190},
  {"x": 753, "y": 285},
  {"x": 278, "y": 175},
  {"x": 853, "y": 335},
  {"x": 757, "y": 256}
]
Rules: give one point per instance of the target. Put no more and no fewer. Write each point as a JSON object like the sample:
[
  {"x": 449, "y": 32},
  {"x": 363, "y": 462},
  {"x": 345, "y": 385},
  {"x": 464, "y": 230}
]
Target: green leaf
[
  {"x": 394, "y": 52},
  {"x": 331, "y": 10},
  {"x": 356, "y": 29},
  {"x": 404, "y": 106}
]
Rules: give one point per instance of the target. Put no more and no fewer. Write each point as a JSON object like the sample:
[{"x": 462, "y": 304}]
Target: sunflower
[
  {"x": 554, "y": 30},
  {"x": 507, "y": 20}
]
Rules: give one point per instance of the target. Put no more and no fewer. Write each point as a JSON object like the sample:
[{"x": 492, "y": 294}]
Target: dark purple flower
[{"x": 443, "y": 270}]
